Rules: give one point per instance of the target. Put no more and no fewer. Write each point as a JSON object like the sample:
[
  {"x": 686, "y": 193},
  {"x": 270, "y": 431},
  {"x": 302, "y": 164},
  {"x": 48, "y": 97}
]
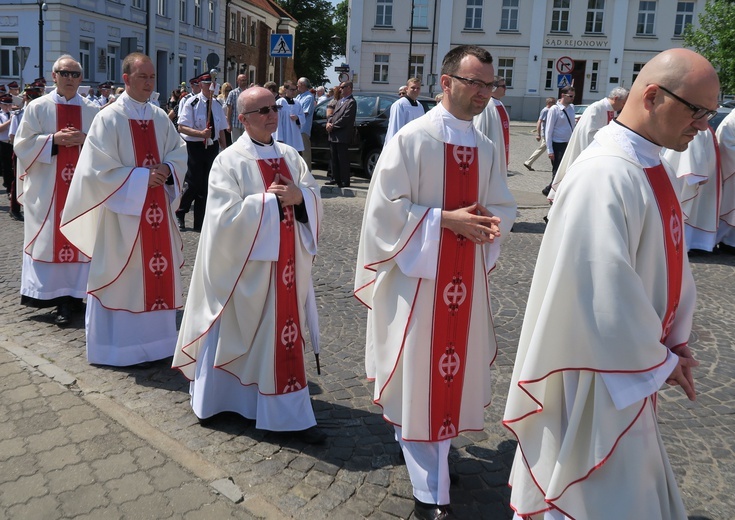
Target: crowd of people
[{"x": 106, "y": 185}]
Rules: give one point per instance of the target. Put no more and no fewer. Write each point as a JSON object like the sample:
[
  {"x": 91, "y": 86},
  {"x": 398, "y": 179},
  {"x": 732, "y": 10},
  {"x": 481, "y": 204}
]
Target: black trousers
[
  {"x": 6, "y": 163},
  {"x": 197, "y": 180},
  {"x": 559, "y": 149},
  {"x": 340, "y": 163}
]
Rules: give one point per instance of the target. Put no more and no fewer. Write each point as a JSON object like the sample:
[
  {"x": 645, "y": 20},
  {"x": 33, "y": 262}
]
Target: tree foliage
[
  {"x": 715, "y": 40},
  {"x": 315, "y": 45}
]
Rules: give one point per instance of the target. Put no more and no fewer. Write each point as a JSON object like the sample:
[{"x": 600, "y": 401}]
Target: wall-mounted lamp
[
  {"x": 171, "y": 57},
  {"x": 535, "y": 57},
  {"x": 616, "y": 60}
]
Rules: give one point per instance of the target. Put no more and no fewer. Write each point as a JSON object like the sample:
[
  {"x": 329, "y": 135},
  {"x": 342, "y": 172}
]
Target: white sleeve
[{"x": 129, "y": 199}]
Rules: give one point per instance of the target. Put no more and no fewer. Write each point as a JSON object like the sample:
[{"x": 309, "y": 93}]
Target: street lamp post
[{"x": 41, "y": 8}]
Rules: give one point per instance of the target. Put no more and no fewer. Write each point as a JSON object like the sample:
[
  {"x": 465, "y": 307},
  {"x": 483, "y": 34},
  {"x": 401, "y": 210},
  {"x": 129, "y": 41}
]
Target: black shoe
[
  {"x": 312, "y": 435},
  {"x": 182, "y": 223},
  {"x": 63, "y": 314},
  {"x": 546, "y": 190},
  {"x": 423, "y": 511},
  {"x": 16, "y": 215},
  {"x": 528, "y": 166}
]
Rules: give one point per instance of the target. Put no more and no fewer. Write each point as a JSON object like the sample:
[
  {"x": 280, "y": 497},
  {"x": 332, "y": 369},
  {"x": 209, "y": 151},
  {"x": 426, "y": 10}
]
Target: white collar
[
  {"x": 134, "y": 109},
  {"x": 61, "y": 100},
  {"x": 452, "y": 130}
]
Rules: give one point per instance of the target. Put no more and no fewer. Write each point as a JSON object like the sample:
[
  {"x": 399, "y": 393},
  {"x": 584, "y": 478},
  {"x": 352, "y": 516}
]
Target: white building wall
[{"x": 615, "y": 51}]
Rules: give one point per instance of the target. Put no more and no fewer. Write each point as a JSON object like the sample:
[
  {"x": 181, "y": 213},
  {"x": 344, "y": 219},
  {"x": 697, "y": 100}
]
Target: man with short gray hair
[
  {"x": 231, "y": 107},
  {"x": 595, "y": 116},
  {"x": 308, "y": 102}
]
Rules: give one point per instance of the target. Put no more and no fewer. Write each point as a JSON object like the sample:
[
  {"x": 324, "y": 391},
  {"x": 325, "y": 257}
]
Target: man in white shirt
[
  {"x": 308, "y": 103},
  {"x": 559, "y": 127}
]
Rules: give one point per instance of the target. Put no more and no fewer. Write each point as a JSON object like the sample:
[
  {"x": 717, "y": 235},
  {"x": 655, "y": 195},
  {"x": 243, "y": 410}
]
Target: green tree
[
  {"x": 715, "y": 40},
  {"x": 314, "y": 45}
]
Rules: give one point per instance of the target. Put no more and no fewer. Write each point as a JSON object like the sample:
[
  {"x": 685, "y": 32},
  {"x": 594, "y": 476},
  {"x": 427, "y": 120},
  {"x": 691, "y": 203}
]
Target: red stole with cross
[
  {"x": 453, "y": 299},
  {"x": 289, "y": 343},
  {"x": 67, "y": 116},
  {"x": 505, "y": 120},
  {"x": 673, "y": 226},
  {"x": 153, "y": 233}
]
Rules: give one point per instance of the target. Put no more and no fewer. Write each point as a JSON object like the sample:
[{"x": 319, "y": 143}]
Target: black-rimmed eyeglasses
[
  {"x": 698, "y": 112},
  {"x": 69, "y": 73},
  {"x": 474, "y": 83},
  {"x": 263, "y": 111}
]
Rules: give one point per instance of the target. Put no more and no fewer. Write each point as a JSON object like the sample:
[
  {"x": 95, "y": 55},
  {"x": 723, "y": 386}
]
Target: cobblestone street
[{"x": 100, "y": 442}]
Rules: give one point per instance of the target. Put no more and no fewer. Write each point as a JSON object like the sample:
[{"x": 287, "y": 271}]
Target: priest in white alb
[
  {"x": 241, "y": 342},
  {"x": 494, "y": 121},
  {"x": 405, "y": 109},
  {"x": 291, "y": 118},
  {"x": 726, "y": 141},
  {"x": 699, "y": 188},
  {"x": 609, "y": 315},
  {"x": 120, "y": 211},
  {"x": 436, "y": 212},
  {"x": 47, "y": 146},
  {"x": 595, "y": 117}
]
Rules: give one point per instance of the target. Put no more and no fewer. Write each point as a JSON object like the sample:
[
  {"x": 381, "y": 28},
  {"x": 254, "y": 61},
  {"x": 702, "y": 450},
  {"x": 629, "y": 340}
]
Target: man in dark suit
[{"x": 340, "y": 128}]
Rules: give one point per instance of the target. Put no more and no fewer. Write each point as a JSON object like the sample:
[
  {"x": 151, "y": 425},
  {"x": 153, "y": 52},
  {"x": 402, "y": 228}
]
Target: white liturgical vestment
[{"x": 726, "y": 140}]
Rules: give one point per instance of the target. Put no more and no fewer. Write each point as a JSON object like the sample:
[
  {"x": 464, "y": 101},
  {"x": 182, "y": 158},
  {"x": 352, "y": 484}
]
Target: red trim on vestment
[
  {"x": 505, "y": 120},
  {"x": 67, "y": 116},
  {"x": 159, "y": 279},
  {"x": 289, "y": 371}
]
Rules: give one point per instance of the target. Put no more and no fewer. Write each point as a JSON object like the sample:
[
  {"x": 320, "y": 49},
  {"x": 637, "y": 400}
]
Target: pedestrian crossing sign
[
  {"x": 564, "y": 80},
  {"x": 282, "y": 45}
]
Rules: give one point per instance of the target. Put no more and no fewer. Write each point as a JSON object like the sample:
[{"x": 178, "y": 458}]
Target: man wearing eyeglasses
[
  {"x": 47, "y": 145},
  {"x": 121, "y": 208},
  {"x": 609, "y": 314},
  {"x": 595, "y": 117},
  {"x": 437, "y": 210},
  {"x": 241, "y": 342},
  {"x": 494, "y": 121}
]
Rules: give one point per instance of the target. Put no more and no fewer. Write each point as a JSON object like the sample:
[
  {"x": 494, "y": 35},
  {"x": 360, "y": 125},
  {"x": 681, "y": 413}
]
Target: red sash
[
  {"x": 506, "y": 131},
  {"x": 718, "y": 171},
  {"x": 289, "y": 343},
  {"x": 673, "y": 225},
  {"x": 67, "y": 116},
  {"x": 153, "y": 234},
  {"x": 453, "y": 301}
]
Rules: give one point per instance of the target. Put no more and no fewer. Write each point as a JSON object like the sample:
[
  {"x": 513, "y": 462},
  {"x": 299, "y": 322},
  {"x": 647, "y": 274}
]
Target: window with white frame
[
  {"x": 380, "y": 68},
  {"x": 198, "y": 13},
  {"x": 211, "y": 15},
  {"x": 384, "y": 13},
  {"x": 85, "y": 59},
  {"x": 560, "y": 16},
  {"x": 549, "y": 82},
  {"x": 509, "y": 16},
  {"x": 684, "y": 17},
  {"x": 594, "y": 76},
  {"x": 636, "y": 69},
  {"x": 421, "y": 13},
  {"x": 233, "y": 25},
  {"x": 243, "y": 29},
  {"x": 416, "y": 67},
  {"x": 138, "y": 4},
  {"x": 9, "y": 65},
  {"x": 197, "y": 66},
  {"x": 473, "y": 15},
  {"x": 253, "y": 27},
  {"x": 182, "y": 69},
  {"x": 505, "y": 70},
  {"x": 161, "y": 7},
  {"x": 113, "y": 53},
  {"x": 182, "y": 10},
  {"x": 595, "y": 16},
  {"x": 646, "y": 18}
]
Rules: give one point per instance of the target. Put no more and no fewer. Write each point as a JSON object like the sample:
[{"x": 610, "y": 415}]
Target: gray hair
[
  {"x": 63, "y": 57},
  {"x": 305, "y": 82},
  {"x": 618, "y": 92}
]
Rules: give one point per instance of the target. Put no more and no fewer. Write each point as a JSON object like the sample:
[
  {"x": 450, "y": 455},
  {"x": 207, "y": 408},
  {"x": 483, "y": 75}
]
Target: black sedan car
[{"x": 371, "y": 123}]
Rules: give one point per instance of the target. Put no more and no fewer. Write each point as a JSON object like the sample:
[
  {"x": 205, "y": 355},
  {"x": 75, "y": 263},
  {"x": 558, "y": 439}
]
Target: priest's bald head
[
  {"x": 258, "y": 113},
  {"x": 672, "y": 99}
]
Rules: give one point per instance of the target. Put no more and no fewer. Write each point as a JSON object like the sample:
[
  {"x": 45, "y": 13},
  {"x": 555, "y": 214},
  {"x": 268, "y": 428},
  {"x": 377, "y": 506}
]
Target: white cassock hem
[
  {"x": 46, "y": 281},
  {"x": 428, "y": 467},
  {"x": 215, "y": 391},
  {"x": 122, "y": 338}
]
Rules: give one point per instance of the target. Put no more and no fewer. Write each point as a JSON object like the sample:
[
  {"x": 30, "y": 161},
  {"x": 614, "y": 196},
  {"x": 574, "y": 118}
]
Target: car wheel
[{"x": 371, "y": 159}]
